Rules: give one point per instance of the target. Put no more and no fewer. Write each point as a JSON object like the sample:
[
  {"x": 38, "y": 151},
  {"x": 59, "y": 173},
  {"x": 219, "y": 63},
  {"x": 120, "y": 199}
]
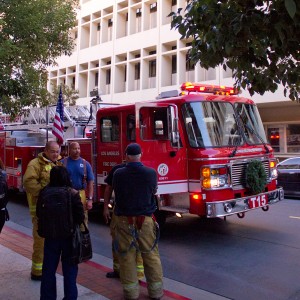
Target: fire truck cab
[{"x": 200, "y": 141}]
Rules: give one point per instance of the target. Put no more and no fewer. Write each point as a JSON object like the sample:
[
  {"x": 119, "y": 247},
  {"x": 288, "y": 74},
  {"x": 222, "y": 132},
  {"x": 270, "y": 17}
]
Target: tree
[
  {"x": 69, "y": 95},
  {"x": 32, "y": 34},
  {"x": 258, "y": 40}
]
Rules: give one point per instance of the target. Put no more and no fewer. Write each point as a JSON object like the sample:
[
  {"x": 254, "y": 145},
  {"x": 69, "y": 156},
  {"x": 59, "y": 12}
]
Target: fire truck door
[{"x": 157, "y": 133}]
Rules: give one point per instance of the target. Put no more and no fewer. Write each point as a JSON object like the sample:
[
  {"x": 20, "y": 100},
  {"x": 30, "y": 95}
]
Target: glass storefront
[{"x": 285, "y": 139}]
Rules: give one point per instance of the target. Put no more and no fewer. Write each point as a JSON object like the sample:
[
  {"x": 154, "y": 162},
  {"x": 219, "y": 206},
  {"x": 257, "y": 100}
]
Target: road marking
[{"x": 294, "y": 217}]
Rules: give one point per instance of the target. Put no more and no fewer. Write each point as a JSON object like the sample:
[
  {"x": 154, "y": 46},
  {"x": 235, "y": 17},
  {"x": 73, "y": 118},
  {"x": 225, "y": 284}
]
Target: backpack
[
  {"x": 3, "y": 191},
  {"x": 54, "y": 212}
]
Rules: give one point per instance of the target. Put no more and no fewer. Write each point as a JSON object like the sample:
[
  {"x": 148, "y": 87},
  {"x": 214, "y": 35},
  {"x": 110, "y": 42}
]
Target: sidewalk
[{"x": 15, "y": 261}]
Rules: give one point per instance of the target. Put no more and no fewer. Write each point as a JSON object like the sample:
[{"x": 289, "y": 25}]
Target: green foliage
[
  {"x": 33, "y": 33},
  {"x": 256, "y": 177},
  {"x": 69, "y": 95},
  {"x": 258, "y": 40}
]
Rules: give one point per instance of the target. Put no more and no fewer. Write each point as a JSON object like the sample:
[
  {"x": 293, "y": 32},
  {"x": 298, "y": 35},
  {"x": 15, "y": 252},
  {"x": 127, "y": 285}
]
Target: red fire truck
[
  {"x": 22, "y": 139},
  {"x": 200, "y": 141}
]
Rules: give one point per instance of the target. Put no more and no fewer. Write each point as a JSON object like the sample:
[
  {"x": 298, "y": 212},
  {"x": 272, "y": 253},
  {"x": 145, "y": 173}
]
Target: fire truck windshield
[
  {"x": 214, "y": 124},
  {"x": 252, "y": 125}
]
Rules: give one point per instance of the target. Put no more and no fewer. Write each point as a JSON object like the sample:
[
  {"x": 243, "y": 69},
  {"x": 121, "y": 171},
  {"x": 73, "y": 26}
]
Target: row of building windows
[{"x": 129, "y": 17}]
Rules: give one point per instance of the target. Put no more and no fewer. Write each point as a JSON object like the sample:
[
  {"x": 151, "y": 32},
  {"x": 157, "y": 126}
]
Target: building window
[
  {"x": 137, "y": 71},
  {"x": 293, "y": 138},
  {"x": 110, "y": 23},
  {"x": 174, "y": 64},
  {"x": 152, "y": 68},
  {"x": 190, "y": 65},
  {"x": 98, "y": 27},
  {"x": 108, "y": 72},
  {"x": 96, "y": 79},
  {"x": 138, "y": 12},
  {"x": 153, "y": 7},
  {"x": 174, "y": 2}
]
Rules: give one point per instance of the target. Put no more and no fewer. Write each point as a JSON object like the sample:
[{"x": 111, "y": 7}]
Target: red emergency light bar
[{"x": 206, "y": 88}]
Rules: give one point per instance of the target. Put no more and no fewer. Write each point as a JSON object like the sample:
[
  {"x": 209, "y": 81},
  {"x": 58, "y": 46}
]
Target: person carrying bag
[{"x": 59, "y": 212}]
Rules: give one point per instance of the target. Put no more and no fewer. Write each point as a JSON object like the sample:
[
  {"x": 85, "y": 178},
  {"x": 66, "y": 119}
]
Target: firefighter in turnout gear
[
  {"x": 36, "y": 177},
  {"x": 136, "y": 230},
  {"x": 106, "y": 214}
]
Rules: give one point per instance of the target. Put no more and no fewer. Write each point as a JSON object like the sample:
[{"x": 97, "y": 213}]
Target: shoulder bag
[{"x": 81, "y": 245}]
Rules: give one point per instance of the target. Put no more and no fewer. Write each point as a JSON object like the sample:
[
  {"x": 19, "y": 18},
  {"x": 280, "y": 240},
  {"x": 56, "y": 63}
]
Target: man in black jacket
[{"x": 135, "y": 186}]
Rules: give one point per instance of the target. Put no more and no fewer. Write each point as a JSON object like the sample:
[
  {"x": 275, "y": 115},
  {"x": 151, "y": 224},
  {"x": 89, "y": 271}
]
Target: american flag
[{"x": 58, "y": 124}]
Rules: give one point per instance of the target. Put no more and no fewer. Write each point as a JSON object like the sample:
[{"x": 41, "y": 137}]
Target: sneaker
[
  {"x": 112, "y": 275},
  {"x": 36, "y": 277}
]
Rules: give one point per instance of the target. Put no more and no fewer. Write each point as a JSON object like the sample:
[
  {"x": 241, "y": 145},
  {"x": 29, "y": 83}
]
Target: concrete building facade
[{"x": 127, "y": 50}]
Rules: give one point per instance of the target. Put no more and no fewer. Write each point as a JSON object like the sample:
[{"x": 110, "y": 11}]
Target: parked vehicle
[
  {"x": 289, "y": 176},
  {"x": 206, "y": 143}
]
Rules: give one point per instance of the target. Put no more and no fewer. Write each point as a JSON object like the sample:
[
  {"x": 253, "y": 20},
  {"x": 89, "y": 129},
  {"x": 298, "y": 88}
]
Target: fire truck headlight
[
  {"x": 206, "y": 183},
  {"x": 274, "y": 173},
  {"x": 205, "y": 172},
  {"x": 214, "y": 177}
]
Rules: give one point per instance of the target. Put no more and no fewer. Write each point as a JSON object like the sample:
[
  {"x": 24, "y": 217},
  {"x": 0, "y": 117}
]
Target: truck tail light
[{"x": 214, "y": 177}]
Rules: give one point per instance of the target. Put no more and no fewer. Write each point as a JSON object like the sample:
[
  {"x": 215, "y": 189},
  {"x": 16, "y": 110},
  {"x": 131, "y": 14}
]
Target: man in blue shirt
[
  {"x": 82, "y": 177},
  {"x": 135, "y": 186}
]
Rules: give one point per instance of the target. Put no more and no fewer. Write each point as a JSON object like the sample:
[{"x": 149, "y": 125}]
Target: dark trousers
[
  {"x": 2, "y": 219},
  {"x": 53, "y": 250}
]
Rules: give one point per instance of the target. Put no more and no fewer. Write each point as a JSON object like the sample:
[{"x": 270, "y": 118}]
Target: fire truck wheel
[
  {"x": 160, "y": 217},
  {"x": 265, "y": 208},
  {"x": 241, "y": 215}
]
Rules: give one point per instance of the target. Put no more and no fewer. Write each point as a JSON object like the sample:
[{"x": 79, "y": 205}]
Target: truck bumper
[{"x": 241, "y": 205}]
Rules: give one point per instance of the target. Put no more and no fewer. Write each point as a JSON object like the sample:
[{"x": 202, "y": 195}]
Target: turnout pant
[
  {"x": 116, "y": 264},
  {"x": 38, "y": 249},
  {"x": 127, "y": 239},
  {"x": 86, "y": 213}
]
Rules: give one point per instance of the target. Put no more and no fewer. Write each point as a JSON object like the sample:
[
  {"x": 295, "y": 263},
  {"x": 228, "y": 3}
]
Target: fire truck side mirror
[
  {"x": 175, "y": 132},
  {"x": 174, "y": 125}
]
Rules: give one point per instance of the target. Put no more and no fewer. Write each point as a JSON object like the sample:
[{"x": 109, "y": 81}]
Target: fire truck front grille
[{"x": 238, "y": 173}]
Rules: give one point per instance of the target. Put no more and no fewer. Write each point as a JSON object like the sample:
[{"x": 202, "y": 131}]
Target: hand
[
  {"x": 106, "y": 215},
  {"x": 89, "y": 204}
]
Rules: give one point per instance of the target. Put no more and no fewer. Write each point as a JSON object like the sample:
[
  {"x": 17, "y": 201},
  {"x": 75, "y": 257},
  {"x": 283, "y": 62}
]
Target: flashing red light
[
  {"x": 206, "y": 88},
  {"x": 18, "y": 173},
  {"x": 196, "y": 197},
  {"x": 88, "y": 134}
]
